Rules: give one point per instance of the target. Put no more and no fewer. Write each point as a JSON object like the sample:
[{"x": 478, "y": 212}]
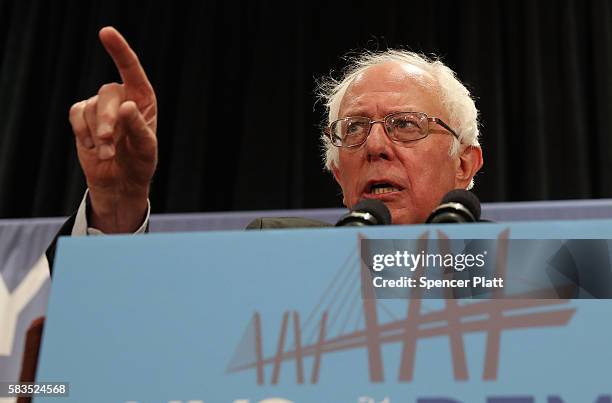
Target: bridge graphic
[{"x": 348, "y": 316}]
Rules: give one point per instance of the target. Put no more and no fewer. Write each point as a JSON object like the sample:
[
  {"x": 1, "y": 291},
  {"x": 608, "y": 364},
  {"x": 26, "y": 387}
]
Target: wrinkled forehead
[{"x": 393, "y": 82}]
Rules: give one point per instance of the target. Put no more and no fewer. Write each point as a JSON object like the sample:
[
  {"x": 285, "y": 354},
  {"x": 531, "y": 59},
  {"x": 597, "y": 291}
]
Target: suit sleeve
[
  {"x": 65, "y": 230},
  {"x": 77, "y": 225}
]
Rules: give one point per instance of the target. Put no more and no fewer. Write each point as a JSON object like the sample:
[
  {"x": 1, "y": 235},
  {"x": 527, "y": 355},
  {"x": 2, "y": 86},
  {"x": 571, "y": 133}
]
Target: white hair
[{"x": 454, "y": 96}]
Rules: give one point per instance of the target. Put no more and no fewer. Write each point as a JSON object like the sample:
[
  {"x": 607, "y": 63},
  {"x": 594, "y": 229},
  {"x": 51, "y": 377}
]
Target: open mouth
[{"x": 381, "y": 188}]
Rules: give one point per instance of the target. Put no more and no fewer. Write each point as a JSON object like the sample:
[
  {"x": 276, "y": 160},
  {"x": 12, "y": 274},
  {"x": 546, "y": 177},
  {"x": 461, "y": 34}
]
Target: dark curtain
[{"x": 238, "y": 123}]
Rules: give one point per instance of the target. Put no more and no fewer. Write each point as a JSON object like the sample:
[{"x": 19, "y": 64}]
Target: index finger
[{"x": 131, "y": 72}]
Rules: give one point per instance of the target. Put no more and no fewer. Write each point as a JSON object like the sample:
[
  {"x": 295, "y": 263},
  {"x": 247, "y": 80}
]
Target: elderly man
[{"x": 402, "y": 129}]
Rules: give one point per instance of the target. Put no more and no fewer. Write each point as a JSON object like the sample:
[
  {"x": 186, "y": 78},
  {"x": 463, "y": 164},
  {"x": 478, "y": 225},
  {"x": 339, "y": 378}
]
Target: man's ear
[
  {"x": 337, "y": 177},
  {"x": 470, "y": 162}
]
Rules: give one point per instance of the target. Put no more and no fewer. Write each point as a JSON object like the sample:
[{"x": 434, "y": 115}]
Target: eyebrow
[{"x": 362, "y": 112}]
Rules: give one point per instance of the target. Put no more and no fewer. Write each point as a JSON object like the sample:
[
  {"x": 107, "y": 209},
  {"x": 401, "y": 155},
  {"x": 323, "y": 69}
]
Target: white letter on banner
[{"x": 11, "y": 305}]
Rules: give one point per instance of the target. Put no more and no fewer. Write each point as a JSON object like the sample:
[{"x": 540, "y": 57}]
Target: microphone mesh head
[
  {"x": 465, "y": 197},
  {"x": 376, "y": 208}
]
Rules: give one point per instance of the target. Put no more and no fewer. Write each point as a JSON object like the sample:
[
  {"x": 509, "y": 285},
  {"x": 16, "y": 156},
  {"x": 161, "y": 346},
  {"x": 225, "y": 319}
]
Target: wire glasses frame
[{"x": 402, "y": 127}]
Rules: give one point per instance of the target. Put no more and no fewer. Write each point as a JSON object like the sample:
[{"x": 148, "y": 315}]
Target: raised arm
[{"x": 116, "y": 141}]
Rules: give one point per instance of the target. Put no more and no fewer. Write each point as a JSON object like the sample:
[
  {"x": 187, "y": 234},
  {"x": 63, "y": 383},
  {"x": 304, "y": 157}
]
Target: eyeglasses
[{"x": 402, "y": 127}]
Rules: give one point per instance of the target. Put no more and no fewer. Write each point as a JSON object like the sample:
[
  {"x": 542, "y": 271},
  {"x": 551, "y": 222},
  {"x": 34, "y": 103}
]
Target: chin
[{"x": 397, "y": 218}]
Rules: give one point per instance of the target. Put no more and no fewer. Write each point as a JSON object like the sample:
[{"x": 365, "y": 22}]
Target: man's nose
[{"x": 378, "y": 144}]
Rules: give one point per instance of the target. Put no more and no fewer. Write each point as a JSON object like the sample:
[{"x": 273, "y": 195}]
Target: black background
[{"x": 238, "y": 125}]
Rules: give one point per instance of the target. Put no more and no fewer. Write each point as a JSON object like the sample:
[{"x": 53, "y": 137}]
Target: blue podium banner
[{"x": 280, "y": 316}]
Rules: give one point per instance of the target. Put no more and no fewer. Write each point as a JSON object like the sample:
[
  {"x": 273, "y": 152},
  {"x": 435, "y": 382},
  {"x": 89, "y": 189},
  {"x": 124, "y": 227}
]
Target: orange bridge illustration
[{"x": 344, "y": 319}]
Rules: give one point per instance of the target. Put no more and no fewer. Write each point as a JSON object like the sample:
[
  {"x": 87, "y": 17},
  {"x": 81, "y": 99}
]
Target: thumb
[{"x": 138, "y": 133}]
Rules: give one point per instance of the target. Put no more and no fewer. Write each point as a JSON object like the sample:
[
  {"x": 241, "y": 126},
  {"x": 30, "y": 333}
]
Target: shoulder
[{"x": 285, "y": 222}]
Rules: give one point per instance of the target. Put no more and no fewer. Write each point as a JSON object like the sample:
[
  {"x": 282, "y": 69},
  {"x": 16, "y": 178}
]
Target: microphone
[
  {"x": 458, "y": 206},
  {"x": 366, "y": 212}
]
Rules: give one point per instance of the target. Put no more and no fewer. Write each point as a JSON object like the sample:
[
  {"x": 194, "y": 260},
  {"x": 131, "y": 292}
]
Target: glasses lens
[
  {"x": 407, "y": 126},
  {"x": 349, "y": 131},
  {"x": 335, "y": 133}
]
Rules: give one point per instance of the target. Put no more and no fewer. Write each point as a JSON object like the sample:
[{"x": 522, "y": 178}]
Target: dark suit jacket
[
  {"x": 65, "y": 230},
  {"x": 285, "y": 222}
]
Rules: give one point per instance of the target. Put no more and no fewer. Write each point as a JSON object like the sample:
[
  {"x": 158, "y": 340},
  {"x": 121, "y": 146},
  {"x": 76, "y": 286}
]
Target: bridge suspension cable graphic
[{"x": 347, "y": 316}]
